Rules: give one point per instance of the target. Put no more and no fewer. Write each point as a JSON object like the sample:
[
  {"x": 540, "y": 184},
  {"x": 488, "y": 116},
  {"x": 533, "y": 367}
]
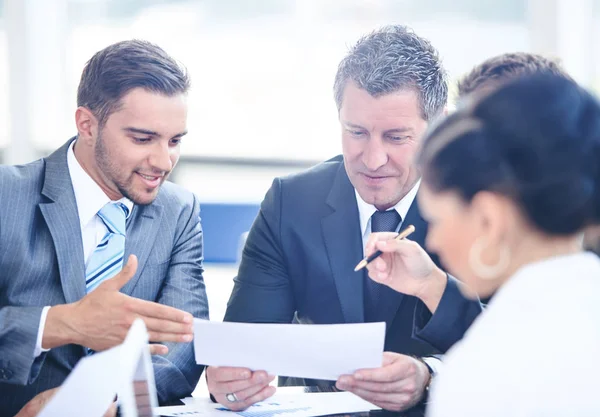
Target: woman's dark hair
[{"x": 535, "y": 140}]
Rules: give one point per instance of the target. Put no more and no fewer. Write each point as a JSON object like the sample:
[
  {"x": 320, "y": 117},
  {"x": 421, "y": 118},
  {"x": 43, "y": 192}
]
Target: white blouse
[{"x": 535, "y": 350}]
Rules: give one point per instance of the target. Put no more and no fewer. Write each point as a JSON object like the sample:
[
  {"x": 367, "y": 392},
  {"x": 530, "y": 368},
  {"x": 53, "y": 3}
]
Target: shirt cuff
[
  {"x": 434, "y": 364},
  {"x": 40, "y": 336}
]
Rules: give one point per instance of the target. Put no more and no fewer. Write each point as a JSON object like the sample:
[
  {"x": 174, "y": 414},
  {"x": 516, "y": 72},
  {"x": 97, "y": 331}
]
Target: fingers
[
  {"x": 168, "y": 331},
  {"x": 169, "y": 337},
  {"x": 379, "y": 271},
  {"x": 225, "y": 374},
  {"x": 262, "y": 395},
  {"x": 35, "y": 405},
  {"x": 387, "y": 401},
  {"x": 377, "y": 237},
  {"x": 249, "y": 387},
  {"x": 159, "y": 311},
  {"x": 112, "y": 411},
  {"x": 395, "y": 386},
  {"x": 258, "y": 385},
  {"x": 395, "y": 367},
  {"x": 390, "y": 357},
  {"x": 164, "y": 323},
  {"x": 118, "y": 281},
  {"x": 398, "y": 386},
  {"x": 157, "y": 349},
  {"x": 221, "y": 381},
  {"x": 401, "y": 247}
]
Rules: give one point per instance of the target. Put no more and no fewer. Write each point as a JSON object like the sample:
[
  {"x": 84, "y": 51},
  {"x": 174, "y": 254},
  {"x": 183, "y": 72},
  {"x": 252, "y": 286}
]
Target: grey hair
[{"x": 394, "y": 58}]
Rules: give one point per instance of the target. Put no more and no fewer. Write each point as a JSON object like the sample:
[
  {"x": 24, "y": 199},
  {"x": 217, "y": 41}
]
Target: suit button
[{"x": 6, "y": 374}]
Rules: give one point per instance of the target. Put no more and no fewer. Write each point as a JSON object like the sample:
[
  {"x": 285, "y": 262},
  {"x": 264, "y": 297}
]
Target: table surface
[{"x": 418, "y": 411}]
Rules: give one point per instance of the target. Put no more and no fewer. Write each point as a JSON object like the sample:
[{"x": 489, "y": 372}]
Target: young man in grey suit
[
  {"x": 298, "y": 261},
  {"x": 70, "y": 221}
]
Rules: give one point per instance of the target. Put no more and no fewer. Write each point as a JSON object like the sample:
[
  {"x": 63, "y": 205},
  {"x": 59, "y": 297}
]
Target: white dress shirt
[
  {"x": 523, "y": 356},
  {"x": 90, "y": 199}
]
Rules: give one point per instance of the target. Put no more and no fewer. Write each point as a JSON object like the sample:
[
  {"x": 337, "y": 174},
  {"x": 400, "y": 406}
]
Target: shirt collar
[
  {"x": 89, "y": 196},
  {"x": 366, "y": 210}
]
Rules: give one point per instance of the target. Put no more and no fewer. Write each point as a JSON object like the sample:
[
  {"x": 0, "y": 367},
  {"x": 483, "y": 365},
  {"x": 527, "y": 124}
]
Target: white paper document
[
  {"x": 296, "y": 405},
  {"x": 126, "y": 370},
  {"x": 88, "y": 390},
  {"x": 319, "y": 351}
]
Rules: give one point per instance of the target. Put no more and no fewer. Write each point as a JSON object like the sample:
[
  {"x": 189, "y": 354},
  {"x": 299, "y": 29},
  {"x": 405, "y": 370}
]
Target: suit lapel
[
  {"x": 62, "y": 218},
  {"x": 343, "y": 240},
  {"x": 141, "y": 230}
]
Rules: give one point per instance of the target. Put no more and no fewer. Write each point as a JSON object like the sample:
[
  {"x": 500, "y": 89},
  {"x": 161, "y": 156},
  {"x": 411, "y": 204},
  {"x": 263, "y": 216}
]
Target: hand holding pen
[
  {"x": 404, "y": 266},
  {"x": 405, "y": 233}
]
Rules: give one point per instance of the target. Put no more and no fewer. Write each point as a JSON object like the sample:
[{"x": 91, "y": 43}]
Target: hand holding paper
[
  {"x": 248, "y": 387},
  {"x": 242, "y": 355}
]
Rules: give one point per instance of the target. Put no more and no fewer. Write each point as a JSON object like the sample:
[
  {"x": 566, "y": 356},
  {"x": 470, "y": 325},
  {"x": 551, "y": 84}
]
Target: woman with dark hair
[{"x": 509, "y": 184}]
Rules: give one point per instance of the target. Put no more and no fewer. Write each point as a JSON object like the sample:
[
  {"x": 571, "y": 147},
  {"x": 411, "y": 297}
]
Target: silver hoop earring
[{"x": 483, "y": 271}]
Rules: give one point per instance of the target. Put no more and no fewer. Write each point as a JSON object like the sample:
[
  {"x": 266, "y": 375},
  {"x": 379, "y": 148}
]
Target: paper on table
[
  {"x": 296, "y": 405},
  {"x": 320, "y": 351}
]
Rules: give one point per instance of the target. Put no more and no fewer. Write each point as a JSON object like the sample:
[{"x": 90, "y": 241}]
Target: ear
[
  {"x": 87, "y": 126},
  {"x": 494, "y": 214}
]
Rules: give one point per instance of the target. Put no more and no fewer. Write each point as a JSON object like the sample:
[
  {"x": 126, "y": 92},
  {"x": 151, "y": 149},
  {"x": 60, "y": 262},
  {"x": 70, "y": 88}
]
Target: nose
[
  {"x": 374, "y": 154},
  {"x": 162, "y": 157}
]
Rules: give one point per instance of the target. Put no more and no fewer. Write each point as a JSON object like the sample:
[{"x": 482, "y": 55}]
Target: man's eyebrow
[
  {"x": 400, "y": 130},
  {"x": 352, "y": 125},
  {"x": 141, "y": 131},
  {"x": 394, "y": 130},
  {"x": 185, "y": 132},
  {"x": 151, "y": 132}
]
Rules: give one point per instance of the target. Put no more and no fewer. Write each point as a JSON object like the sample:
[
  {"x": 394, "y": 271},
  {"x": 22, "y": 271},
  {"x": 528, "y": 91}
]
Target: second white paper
[{"x": 319, "y": 351}]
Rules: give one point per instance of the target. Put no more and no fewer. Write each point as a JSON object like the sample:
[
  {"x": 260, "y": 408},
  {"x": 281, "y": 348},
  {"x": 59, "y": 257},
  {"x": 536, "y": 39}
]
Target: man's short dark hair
[
  {"x": 391, "y": 59},
  {"x": 499, "y": 69},
  {"x": 112, "y": 72}
]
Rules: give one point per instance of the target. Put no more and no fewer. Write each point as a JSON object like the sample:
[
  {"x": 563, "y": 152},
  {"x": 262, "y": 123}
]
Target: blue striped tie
[{"x": 107, "y": 259}]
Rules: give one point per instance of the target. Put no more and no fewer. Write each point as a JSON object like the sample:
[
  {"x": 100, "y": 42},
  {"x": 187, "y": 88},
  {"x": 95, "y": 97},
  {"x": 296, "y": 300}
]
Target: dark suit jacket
[
  {"x": 41, "y": 263},
  {"x": 298, "y": 261}
]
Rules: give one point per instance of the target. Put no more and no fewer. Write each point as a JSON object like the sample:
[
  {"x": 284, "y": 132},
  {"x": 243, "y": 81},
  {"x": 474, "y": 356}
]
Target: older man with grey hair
[{"x": 313, "y": 228}]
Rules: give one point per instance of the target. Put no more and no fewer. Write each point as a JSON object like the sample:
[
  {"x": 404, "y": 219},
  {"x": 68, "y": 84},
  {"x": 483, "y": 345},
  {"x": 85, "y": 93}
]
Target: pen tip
[{"x": 360, "y": 266}]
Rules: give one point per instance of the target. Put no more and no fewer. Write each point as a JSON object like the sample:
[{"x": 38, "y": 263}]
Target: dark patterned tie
[{"x": 381, "y": 221}]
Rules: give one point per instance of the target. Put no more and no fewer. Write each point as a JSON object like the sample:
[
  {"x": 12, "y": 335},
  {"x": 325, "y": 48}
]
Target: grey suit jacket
[{"x": 41, "y": 263}]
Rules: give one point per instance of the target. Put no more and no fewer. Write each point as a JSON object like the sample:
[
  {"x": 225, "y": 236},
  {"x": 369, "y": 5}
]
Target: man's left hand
[{"x": 398, "y": 385}]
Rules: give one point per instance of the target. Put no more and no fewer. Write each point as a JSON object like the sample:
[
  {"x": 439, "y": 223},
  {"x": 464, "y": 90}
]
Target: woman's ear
[{"x": 493, "y": 214}]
